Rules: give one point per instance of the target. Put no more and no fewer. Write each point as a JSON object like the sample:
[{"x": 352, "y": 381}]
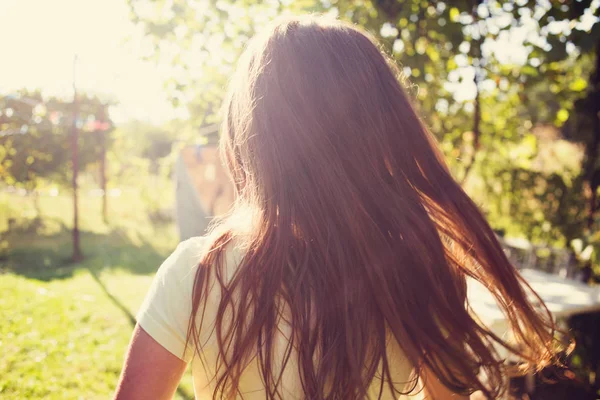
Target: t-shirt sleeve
[{"x": 166, "y": 310}]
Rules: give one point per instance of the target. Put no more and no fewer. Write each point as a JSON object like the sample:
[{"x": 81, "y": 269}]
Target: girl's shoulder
[{"x": 195, "y": 252}]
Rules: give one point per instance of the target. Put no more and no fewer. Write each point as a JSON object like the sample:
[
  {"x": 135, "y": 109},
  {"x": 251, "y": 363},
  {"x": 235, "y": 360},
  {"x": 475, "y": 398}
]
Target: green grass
[{"x": 65, "y": 327}]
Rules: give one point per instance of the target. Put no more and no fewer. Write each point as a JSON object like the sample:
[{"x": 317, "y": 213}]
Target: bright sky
[{"x": 41, "y": 37}]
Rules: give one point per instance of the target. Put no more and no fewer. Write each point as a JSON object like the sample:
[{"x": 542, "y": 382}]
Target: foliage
[
  {"x": 585, "y": 329},
  {"x": 484, "y": 104},
  {"x": 571, "y": 42},
  {"x": 142, "y": 157},
  {"x": 201, "y": 41},
  {"x": 137, "y": 139},
  {"x": 35, "y": 137}
]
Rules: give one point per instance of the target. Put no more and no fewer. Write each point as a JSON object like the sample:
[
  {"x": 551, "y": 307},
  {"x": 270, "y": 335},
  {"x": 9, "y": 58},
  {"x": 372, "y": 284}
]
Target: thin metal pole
[{"x": 77, "y": 255}]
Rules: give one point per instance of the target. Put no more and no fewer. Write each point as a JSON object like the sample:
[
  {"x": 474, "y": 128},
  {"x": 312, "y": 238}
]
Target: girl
[{"x": 341, "y": 270}]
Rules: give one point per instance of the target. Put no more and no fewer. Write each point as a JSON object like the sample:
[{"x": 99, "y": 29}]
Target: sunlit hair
[{"x": 358, "y": 236}]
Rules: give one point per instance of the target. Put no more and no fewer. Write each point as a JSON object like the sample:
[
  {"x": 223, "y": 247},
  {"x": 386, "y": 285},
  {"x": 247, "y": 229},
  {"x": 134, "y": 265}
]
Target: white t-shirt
[{"x": 165, "y": 315}]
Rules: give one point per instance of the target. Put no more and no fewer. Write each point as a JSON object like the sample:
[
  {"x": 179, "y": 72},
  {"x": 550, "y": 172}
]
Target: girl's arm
[{"x": 150, "y": 371}]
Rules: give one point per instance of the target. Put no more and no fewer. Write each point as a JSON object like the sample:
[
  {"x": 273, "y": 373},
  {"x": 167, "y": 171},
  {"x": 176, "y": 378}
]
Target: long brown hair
[{"x": 359, "y": 235}]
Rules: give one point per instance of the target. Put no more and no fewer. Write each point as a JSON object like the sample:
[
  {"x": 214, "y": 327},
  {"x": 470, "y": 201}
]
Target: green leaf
[
  {"x": 433, "y": 53},
  {"x": 562, "y": 115},
  {"x": 529, "y": 70},
  {"x": 454, "y": 13},
  {"x": 578, "y": 85}
]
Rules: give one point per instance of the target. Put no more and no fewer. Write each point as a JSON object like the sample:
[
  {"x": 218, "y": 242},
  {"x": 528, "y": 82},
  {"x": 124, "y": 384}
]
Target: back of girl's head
[
  {"x": 361, "y": 235},
  {"x": 313, "y": 103}
]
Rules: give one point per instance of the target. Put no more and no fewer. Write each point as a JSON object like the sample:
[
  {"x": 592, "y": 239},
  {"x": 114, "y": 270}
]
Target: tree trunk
[
  {"x": 476, "y": 127},
  {"x": 476, "y": 51},
  {"x": 103, "y": 179},
  {"x": 594, "y": 146},
  {"x": 593, "y": 180},
  {"x": 35, "y": 196}
]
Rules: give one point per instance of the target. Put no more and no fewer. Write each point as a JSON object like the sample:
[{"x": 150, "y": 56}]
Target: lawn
[{"x": 65, "y": 327}]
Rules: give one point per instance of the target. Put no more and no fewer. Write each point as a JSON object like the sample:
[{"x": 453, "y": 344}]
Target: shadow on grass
[
  {"x": 114, "y": 299},
  {"x": 180, "y": 390},
  {"x": 47, "y": 257}
]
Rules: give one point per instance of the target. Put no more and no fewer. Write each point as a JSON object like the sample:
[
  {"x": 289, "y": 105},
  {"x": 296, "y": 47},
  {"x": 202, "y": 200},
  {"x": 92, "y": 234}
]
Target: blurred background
[{"x": 108, "y": 125}]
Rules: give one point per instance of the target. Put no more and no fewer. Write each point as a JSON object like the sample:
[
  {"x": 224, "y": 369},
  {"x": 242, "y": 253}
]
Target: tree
[
  {"x": 484, "y": 105},
  {"x": 34, "y": 137},
  {"x": 201, "y": 40},
  {"x": 571, "y": 30},
  {"x": 33, "y": 145}
]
